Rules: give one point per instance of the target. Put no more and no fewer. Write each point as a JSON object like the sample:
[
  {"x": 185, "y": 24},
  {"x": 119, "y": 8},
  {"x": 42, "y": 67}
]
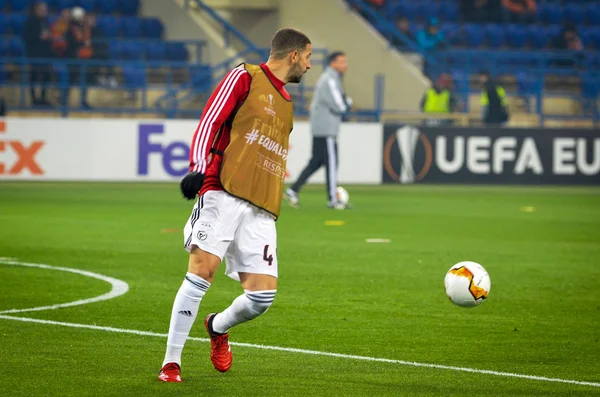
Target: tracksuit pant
[{"x": 324, "y": 152}]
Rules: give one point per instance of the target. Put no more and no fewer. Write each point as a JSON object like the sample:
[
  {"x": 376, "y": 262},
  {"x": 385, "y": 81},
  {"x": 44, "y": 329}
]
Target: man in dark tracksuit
[
  {"x": 493, "y": 101},
  {"x": 328, "y": 105}
]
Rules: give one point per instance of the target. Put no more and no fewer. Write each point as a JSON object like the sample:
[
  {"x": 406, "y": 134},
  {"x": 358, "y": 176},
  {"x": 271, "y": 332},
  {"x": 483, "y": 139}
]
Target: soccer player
[
  {"x": 329, "y": 104},
  {"x": 237, "y": 169}
]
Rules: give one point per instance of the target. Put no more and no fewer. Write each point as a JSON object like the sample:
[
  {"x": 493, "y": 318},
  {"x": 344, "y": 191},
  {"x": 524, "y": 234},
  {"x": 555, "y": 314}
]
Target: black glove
[{"x": 190, "y": 185}]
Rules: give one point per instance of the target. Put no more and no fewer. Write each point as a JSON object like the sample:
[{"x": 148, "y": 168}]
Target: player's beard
[{"x": 295, "y": 73}]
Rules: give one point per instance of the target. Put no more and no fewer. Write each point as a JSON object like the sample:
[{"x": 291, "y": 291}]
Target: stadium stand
[
  {"x": 531, "y": 59},
  {"x": 523, "y": 56},
  {"x": 137, "y": 50}
]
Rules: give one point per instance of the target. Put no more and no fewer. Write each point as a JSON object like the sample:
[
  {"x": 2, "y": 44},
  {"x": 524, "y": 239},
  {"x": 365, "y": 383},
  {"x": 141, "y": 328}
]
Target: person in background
[
  {"x": 329, "y": 104},
  {"x": 58, "y": 31},
  {"x": 493, "y": 100},
  {"x": 100, "y": 52},
  {"x": 403, "y": 25},
  {"x": 36, "y": 35},
  {"x": 439, "y": 100},
  {"x": 78, "y": 48},
  {"x": 430, "y": 38},
  {"x": 568, "y": 40},
  {"x": 520, "y": 11}
]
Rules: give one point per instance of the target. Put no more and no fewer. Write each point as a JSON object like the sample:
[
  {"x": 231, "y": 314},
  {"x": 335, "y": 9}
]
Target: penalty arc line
[
  {"x": 120, "y": 287},
  {"x": 310, "y": 352}
]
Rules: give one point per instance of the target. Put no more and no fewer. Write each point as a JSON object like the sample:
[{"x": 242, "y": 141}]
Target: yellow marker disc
[{"x": 334, "y": 223}]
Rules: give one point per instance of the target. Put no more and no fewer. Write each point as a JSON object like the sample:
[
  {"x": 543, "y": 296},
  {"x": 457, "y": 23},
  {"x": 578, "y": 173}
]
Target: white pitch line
[
  {"x": 118, "y": 287},
  {"x": 311, "y": 352}
]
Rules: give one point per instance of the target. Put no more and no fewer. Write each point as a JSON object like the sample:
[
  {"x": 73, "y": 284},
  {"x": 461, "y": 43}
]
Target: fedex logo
[
  {"x": 174, "y": 155},
  {"x": 25, "y": 155}
]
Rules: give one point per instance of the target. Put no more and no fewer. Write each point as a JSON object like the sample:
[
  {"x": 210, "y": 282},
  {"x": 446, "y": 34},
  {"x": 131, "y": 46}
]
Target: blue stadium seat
[
  {"x": 17, "y": 21},
  {"x": 87, "y": 5},
  {"x": 590, "y": 87},
  {"x": 129, "y": 7},
  {"x": 587, "y": 36},
  {"x": 2, "y": 4},
  {"x": 407, "y": 9},
  {"x": 61, "y": 4},
  {"x": 134, "y": 77},
  {"x": 155, "y": 51},
  {"x": 527, "y": 84},
  {"x": 495, "y": 35},
  {"x": 176, "y": 52},
  {"x": 449, "y": 11},
  {"x": 452, "y": 32},
  {"x": 596, "y": 37},
  {"x": 108, "y": 26},
  {"x": 538, "y": 36},
  {"x": 152, "y": 28},
  {"x": 427, "y": 10},
  {"x": 107, "y": 6},
  {"x": 551, "y": 13},
  {"x": 4, "y": 24},
  {"x": 200, "y": 77},
  {"x": 593, "y": 13},
  {"x": 131, "y": 27},
  {"x": 16, "y": 47},
  {"x": 574, "y": 13},
  {"x": 592, "y": 61},
  {"x": 132, "y": 51},
  {"x": 474, "y": 34},
  {"x": 115, "y": 49},
  {"x": 18, "y": 5},
  {"x": 4, "y": 46},
  {"x": 516, "y": 35}
]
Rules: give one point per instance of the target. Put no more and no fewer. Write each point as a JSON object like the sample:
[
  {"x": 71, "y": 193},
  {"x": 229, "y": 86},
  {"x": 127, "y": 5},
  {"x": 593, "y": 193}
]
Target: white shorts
[{"x": 236, "y": 230}]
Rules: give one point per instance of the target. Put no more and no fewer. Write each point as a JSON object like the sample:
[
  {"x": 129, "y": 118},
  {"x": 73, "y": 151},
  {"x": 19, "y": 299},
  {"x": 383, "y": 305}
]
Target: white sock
[
  {"x": 244, "y": 308},
  {"x": 185, "y": 309}
]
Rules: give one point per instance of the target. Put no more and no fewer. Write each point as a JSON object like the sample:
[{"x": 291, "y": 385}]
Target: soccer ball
[
  {"x": 467, "y": 284},
  {"x": 342, "y": 195}
]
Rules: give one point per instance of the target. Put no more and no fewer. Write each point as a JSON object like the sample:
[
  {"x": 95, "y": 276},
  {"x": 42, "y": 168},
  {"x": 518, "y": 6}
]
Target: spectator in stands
[
  {"x": 520, "y": 11},
  {"x": 439, "y": 100},
  {"x": 430, "y": 38},
  {"x": 100, "y": 52},
  {"x": 36, "y": 35},
  {"x": 78, "y": 48},
  {"x": 493, "y": 100},
  {"x": 59, "y": 30},
  {"x": 568, "y": 39},
  {"x": 403, "y": 25}
]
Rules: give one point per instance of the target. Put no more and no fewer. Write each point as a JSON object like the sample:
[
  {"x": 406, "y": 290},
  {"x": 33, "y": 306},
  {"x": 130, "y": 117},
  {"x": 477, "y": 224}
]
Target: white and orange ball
[
  {"x": 342, "y": 195},
  {"x": 467, "y": 284}
]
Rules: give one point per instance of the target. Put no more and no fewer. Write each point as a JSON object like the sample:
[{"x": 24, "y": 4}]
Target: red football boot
[
  {"x": 171, "y": 372},
  {"x": 220, "y": 352}
]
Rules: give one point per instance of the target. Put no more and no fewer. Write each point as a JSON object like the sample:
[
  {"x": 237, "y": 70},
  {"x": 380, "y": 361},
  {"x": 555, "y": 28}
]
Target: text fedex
[{"x": 174, "y": 155}]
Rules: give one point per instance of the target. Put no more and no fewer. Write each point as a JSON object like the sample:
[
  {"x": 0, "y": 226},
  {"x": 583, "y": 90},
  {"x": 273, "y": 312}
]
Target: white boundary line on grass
[{"x": 120, "y": 287}]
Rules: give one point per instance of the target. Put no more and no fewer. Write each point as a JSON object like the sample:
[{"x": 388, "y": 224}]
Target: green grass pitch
[{"x": 337, "y": 293}]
